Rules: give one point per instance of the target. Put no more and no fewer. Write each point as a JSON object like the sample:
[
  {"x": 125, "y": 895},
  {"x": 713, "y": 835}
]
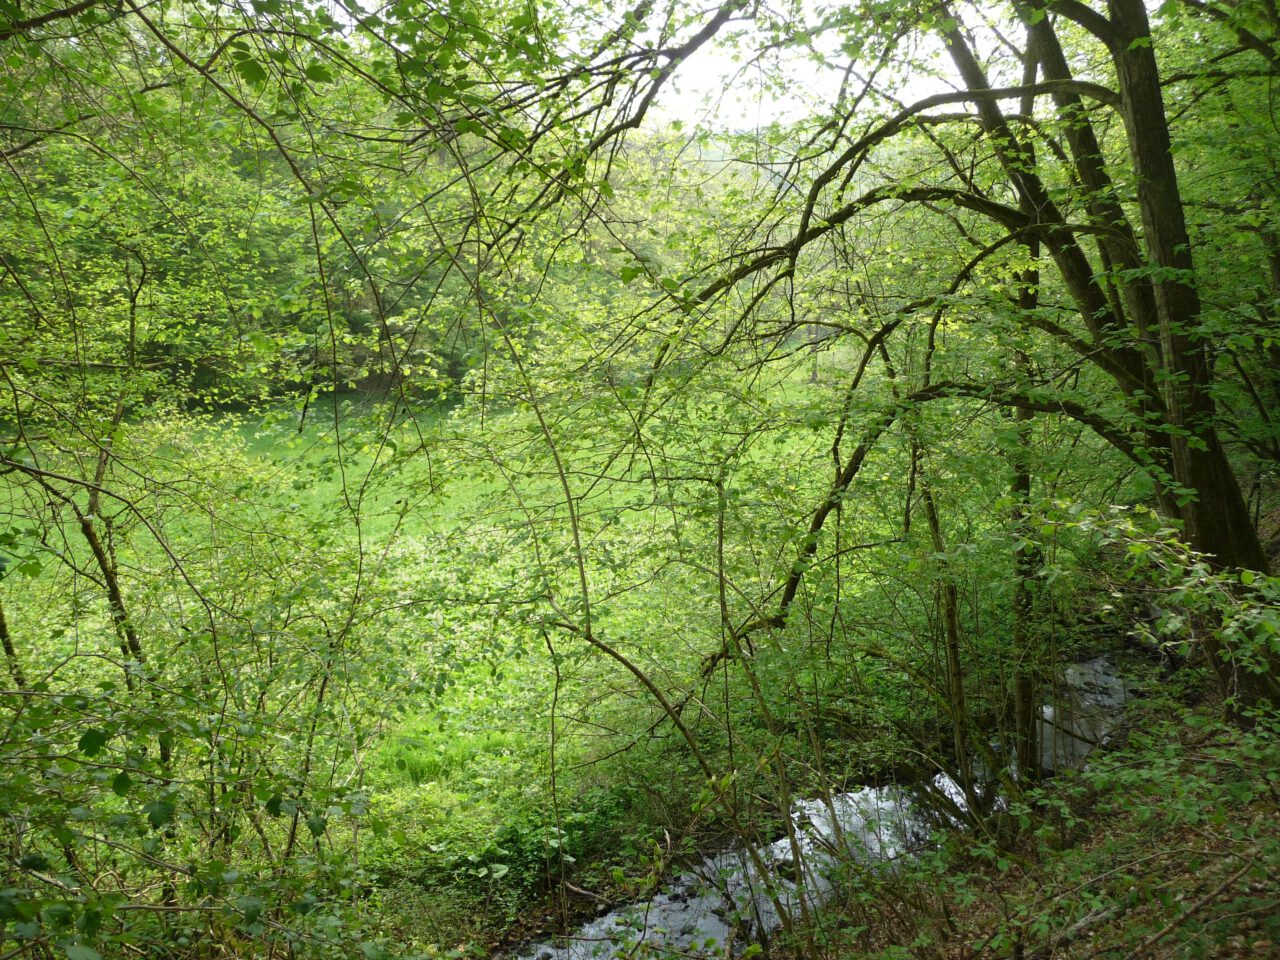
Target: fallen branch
[
  {"x": 1182, "y": 918},
  {"x": 585, "y": 893}
]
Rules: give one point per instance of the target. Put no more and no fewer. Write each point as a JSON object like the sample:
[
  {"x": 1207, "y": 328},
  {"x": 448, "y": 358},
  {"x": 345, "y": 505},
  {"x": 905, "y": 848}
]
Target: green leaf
[
  {"x": 252, "y": 71},
  {"x": 251, "y": 907},
  {"x": 159, "y": 813},
  {"x": 92, "y": 741},
  {"x": 122, "y": 784},
  {"x": 78, "y": 951}
]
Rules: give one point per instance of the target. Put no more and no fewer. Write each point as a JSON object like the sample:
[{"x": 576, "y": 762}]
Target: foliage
[{"x": 434, "y": 478}]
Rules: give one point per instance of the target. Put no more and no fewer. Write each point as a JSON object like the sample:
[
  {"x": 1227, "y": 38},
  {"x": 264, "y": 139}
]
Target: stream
[{"x": 733, "y": 898}]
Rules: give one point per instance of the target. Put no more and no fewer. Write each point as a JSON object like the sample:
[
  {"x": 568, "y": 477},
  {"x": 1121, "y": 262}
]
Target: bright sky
[
  {"x": 712, "y": 90},
  {"x": 715, "y": 90}
]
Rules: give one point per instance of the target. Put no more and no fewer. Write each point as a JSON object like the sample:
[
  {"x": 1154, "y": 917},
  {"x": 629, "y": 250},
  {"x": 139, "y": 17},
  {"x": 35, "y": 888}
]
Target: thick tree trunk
[
  {"x": 1214, "y": 513},
  {"x": 1028, "y": 560},
  {"x": 1216, "y": 518},
  {"x": 1168, "y": 353},
  {"x": 1133, "y": 364}
]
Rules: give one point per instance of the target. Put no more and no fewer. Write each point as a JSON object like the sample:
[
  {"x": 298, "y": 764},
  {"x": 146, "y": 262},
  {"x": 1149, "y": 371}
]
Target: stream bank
[{"x": 743, "y": 894}]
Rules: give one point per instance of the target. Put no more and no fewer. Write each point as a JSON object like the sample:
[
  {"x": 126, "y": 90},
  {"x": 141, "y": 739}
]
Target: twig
[
  {"x": 1182, "y": 917},
  {"x": 584, "y": 893}
]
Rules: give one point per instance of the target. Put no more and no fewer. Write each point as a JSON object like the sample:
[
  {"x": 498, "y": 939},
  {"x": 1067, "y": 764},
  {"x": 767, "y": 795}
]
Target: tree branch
[{"x": 16, "y": 27}]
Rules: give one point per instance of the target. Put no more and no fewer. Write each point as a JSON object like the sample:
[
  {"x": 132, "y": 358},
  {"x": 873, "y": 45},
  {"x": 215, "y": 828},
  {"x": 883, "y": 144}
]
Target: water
[
  {"x": 732, "y": 898},
  {"x": 1089, "y": 703}
]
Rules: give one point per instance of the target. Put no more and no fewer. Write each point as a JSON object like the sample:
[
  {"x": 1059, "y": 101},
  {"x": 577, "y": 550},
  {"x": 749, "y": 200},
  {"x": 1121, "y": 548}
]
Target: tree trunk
[
  {"x": 10, "y": 654},
  {"x": 956, "y": 702},
  {"x": 1213, "y": 510},
  {"x": 1027, "y": 562},
  {"x": 1215, "y": 515}
]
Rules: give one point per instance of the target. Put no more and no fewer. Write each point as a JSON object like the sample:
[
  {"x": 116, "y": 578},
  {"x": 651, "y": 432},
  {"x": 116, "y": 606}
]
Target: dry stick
[
  {"x": 1073, "y": 932},
  {"x": 1181, "y": 918}
]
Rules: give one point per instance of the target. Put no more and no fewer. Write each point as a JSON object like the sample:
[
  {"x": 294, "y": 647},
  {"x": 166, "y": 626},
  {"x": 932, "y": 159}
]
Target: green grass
[{"x": 419, "y": 753}]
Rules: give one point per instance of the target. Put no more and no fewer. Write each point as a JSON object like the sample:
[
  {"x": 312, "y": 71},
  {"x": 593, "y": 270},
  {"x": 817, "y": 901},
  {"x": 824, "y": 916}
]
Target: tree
[{"x": 1055, "y": 174}]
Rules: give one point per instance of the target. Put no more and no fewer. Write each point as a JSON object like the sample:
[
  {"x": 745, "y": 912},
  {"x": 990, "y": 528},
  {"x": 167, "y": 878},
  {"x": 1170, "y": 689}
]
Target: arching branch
[{"x": 1111, "y": 432}]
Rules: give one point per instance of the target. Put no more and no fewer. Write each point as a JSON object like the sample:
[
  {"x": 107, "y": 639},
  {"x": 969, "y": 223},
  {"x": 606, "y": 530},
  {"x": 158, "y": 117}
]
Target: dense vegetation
[{"x": 443, "y": 485}]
